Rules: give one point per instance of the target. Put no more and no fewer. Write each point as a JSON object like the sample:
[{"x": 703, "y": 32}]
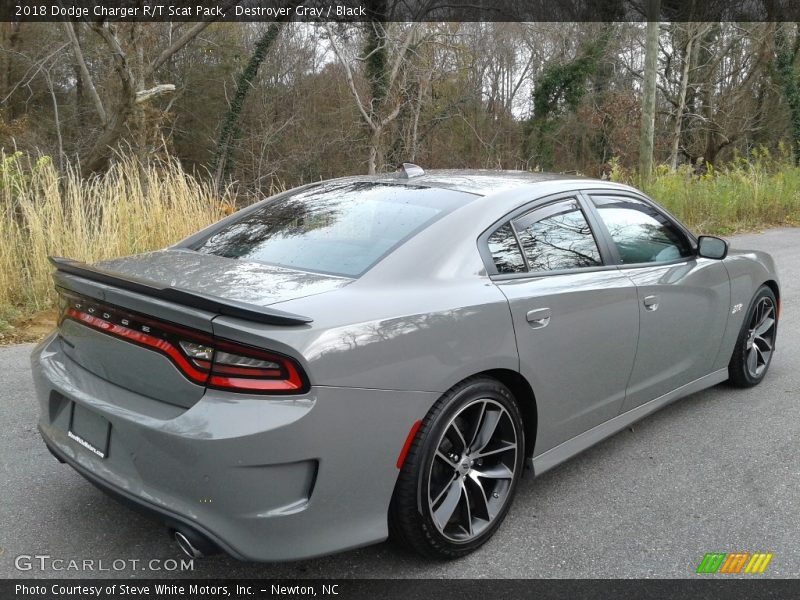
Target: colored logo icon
[{"x": 734, "y": 562}]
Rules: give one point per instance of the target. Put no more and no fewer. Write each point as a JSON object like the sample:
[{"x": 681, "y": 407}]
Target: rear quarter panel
[{"x": 411, "y": 337}]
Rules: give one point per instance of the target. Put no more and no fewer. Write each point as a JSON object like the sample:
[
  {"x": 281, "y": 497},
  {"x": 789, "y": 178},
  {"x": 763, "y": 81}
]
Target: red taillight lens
[
  {"x": 199, "y": 357},
  {"x": 237, "y": 367}
]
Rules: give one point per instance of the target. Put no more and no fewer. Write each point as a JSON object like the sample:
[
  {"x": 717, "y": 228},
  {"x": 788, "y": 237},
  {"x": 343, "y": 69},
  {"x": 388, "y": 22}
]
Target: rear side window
[
  {"x": 341, "y": 228},
  {"x": 557, "y": 236},
  {"x": 505, "y": 251}
]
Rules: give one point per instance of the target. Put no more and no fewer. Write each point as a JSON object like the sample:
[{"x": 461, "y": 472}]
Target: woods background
[
  {"x": 297, "y": 102},
  {"x": 105, "y": 127}
]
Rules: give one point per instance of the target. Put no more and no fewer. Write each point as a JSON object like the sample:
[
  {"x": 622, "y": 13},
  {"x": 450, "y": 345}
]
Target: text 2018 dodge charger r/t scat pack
[{"x": 384, "y": 355}]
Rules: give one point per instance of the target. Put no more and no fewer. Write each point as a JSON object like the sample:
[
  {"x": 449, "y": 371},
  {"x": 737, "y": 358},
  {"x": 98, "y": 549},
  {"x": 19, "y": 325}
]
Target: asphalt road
[{"x": 716, "y": 472}]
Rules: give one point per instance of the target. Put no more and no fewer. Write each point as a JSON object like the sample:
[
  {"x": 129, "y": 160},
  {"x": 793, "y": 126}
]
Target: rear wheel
[
  {"x": 460, "y": 474},
  {"x": 752, "y": 354}
]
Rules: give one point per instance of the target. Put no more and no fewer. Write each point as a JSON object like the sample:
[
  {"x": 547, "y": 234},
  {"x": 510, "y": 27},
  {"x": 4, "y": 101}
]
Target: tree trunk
[
  {"x": 676, "y": 134},
  {"x": 649, "y": 92},
  {"x": 375, "y": 155},
  {"x": 9, "y": 40},
  {"x": 79, "y": 86}
]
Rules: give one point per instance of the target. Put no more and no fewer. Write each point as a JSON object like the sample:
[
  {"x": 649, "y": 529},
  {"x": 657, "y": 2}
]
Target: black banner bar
[
  {"x": 399, "y": 10},
  {"x": 731, "y": 588}
]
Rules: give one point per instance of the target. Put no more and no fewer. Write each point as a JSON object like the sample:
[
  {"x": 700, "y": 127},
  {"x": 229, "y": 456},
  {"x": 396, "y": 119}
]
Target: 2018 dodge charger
[{"x": 387, "y": 354}]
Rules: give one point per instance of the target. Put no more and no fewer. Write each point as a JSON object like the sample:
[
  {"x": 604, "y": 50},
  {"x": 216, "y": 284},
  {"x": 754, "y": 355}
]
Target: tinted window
[
  {"x": 640, "y": 233},
  {"x": 505, "y": 251},
  {"x": 557, "y": 236},
  {"x": 339, "y": 228}
]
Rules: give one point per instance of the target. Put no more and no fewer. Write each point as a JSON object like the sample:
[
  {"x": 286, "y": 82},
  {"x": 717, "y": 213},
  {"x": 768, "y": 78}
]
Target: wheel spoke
[
  {"x": 465, "y": 495},
  {"x": 484, "y": 435},
  {"x": 506, "y": 448},
  {"x": 752, "y": 360},
  {"x": 499, "y": 471},
  {"x": 444, "y": 513},
  {"x": 763, "y": 343},
  {"x": 460, "y": 435},
  {"x": 477, "y": 429},
  {"x": 764, "y": 326},
  {"x": 763, "y": 354},
  {"x": 479, "y": 496},
  {"x": 444, "y": 490},
  {"x": 442, "y": 456}
]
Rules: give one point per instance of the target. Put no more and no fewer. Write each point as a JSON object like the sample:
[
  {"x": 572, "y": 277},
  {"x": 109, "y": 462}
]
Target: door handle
[
  {"x": 539, "y": 317},
  {"x": 651, "y": 302}
]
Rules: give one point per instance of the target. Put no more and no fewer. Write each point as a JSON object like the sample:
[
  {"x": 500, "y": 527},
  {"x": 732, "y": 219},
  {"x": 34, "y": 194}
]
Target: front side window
[
  {"x": 337, "y": 227},
  {"x": 640, "y": 233},
  {"x": 556, "y": 237}
]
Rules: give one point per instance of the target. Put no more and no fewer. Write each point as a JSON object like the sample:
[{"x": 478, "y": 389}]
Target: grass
[
  {"x": 738, "y": 197},
  {"x": 133, "y": 208},
  {"x": 125, "y": 211}
]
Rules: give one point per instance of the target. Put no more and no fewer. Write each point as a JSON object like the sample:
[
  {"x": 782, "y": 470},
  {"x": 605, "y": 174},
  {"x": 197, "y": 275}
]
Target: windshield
[{"x": 342, "y": 228}]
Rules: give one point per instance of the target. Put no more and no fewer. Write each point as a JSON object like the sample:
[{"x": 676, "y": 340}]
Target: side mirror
[{"x": 709, "y": 246}]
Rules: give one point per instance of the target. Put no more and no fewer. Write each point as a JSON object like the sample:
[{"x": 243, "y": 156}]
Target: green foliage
[
  {"x": 741, "y": 196},
  {"x": 559, "y": 89}
]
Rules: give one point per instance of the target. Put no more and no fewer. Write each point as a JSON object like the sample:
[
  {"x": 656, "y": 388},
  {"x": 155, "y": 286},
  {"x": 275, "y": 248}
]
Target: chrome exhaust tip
[{"x": 186, "y": 546}]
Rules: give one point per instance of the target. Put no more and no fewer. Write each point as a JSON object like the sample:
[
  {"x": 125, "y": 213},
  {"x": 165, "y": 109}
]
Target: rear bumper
[
  {"x": 170, "y": 519},
  {"x": 263, "y": 479}
]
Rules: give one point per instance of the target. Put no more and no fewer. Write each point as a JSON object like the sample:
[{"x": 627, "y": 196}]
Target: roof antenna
[{"x": 409, "y": 170}]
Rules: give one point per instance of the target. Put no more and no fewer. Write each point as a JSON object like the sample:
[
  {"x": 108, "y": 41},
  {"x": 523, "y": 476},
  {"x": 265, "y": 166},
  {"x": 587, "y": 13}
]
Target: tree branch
[
  {"x": 186, "y": 38},
  {"x": 145, "y": 95},
  {"x": 120, "y": 59},
  {"x": 401, "y": 55},
  {"x": 350, "y": 82},
  {"x": 76, "y": 48}
]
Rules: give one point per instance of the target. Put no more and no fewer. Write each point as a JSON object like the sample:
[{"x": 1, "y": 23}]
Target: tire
[
  {"x": 475, "y": 487},
  {"x": 755, "y": 345}
]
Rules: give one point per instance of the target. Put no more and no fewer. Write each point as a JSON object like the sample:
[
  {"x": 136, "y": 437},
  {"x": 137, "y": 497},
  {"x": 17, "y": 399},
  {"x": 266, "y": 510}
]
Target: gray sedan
[{"x": 388, "y": 355}]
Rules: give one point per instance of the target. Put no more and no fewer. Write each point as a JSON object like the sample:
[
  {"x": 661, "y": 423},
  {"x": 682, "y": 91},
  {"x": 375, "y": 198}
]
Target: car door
[
  {"x": 575, "y": 318},
  {"x": 684, "y": 300}
]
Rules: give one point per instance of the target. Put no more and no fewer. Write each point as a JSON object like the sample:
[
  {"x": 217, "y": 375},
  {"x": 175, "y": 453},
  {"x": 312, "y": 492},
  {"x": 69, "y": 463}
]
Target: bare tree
[
  {"x": 649, "y": 93},
  {"x": 383, "y": 104},
  {"x": 113, "y": 114}
]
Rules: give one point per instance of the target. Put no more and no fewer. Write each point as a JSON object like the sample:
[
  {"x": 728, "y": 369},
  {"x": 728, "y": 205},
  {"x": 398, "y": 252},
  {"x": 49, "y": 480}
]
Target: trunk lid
[
  {"x": 233, "y": 279},
  {"x": 123, "y": 319}
]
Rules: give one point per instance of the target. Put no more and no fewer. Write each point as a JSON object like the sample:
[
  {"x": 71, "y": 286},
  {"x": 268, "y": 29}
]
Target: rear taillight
[{"x": 201, "y": 358}]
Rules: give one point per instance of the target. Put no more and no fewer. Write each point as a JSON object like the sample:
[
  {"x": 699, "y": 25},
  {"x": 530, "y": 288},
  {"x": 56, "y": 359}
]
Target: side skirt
[{"x": 587, "y": 439}]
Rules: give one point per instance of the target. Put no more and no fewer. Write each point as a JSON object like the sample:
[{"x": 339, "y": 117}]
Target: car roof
[{"x": 481, "y": 182}]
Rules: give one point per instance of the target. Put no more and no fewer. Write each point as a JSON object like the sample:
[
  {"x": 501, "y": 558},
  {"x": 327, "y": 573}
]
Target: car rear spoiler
[{"x": 215, "y": 304}]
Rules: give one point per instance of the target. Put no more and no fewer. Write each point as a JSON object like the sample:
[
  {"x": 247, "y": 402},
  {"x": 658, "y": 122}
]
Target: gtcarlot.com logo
[
  {"x": 734, "y": 562},
  {"x": 45, "y": 562}
]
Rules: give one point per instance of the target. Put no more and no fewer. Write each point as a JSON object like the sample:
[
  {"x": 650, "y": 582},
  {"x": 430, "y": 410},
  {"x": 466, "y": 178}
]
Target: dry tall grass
[{"x": 129, "y": 209}]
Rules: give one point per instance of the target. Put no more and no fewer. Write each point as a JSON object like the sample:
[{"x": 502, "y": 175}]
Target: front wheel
[
  {"x": 756, "y": 343},
  {"x": 461, "y": 472}
]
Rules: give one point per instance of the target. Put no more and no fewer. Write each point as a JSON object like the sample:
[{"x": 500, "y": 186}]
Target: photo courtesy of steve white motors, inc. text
[
  {"x": 207, "y": 10},
  {"x": 169, "y": 589}
]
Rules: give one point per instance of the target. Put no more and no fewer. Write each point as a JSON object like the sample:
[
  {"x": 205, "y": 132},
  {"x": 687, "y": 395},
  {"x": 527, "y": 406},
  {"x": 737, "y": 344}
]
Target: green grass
[{"x": 739, "y": 197}]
